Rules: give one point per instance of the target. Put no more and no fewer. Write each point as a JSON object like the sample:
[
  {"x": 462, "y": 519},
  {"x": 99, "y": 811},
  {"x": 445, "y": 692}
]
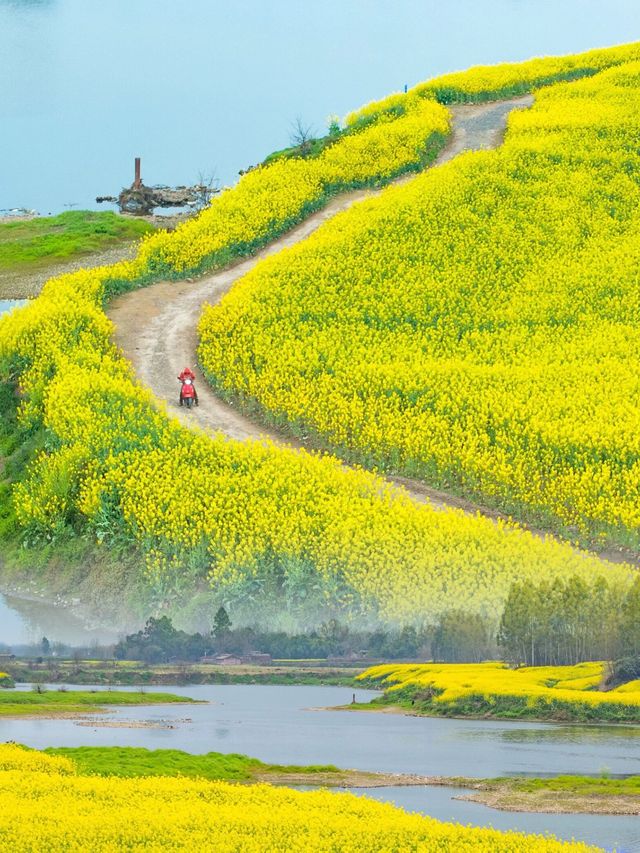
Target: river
[
  {"x": 279, "y": 724},
  {"x": 214, "y": 86}
]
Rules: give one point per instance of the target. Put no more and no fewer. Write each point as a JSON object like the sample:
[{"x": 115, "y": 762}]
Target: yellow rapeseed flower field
[
  {"x": 542, "y": 687},
  {"x": 504, "y": 80},
  {"x": 45, "y": 805},
  {"x": 271, "y": 198},
  {"x": 478, "y": 327},
  {"x": 258, "y": 522}
]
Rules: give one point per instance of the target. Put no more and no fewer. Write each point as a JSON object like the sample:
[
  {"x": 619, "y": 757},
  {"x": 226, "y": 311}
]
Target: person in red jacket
[
  {"x": 187, "y": 377},
  {"x": 187, "y": 373}
]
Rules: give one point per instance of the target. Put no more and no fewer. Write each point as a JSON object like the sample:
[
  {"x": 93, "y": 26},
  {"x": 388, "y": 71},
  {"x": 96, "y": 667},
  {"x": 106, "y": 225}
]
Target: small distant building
[
  {"x": 258, "y": 659},
  {"x": 351, "y": 658},
  {"x": 6, "y": 657},
  {"x": 222, "y": 660},
  {"x": 252, "y": 658}
]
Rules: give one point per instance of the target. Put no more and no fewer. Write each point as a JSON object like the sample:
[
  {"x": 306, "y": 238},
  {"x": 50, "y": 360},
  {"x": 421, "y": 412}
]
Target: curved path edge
[{"x": 156, "y": 326}]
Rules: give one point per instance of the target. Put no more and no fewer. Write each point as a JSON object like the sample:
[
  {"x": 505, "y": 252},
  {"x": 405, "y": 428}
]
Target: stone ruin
[{"x": 141, "y": 200}]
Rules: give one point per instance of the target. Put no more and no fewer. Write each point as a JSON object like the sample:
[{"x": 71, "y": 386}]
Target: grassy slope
[
  {"x": 418, "y": 703},
  {"x": 37, "y": 245},
  {"x": 33, "y": 243},
  {"x": 71, "y": 563}
]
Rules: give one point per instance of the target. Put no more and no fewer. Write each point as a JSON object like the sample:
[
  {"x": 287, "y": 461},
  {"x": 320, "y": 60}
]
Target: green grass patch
[
  {"x": 52, "y": 703},
  {"x": 132, "y": 673},
  {"x": 568, "y": 794},
  {"x": 137, "y": 761},
  {"x": 584, "y": 785},
  {"x": 32, "y": 243}
]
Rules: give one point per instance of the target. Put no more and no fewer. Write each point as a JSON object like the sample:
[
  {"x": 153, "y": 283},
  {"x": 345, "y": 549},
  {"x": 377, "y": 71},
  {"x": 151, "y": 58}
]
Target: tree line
[
  {"x": 458, "y": 636},
  {"x": 159, "y": 641},
  {"x": 566, "y": 622},
  {"x": 554, "y": 623}
]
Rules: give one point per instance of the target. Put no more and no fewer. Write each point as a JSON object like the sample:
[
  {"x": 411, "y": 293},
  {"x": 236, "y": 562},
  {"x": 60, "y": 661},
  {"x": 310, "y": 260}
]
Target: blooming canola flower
[
  {"x": 355, "y": 343},
  {"x": 46, "y": 804},
  {"x": 476, "y": 327}
]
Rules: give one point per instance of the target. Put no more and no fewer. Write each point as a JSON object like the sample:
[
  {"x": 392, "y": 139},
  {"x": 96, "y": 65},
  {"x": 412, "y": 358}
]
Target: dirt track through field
[{"x": 156, "y": 325}]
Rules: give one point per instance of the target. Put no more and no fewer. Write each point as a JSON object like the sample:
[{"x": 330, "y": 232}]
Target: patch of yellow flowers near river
[
  {"x": 46, "y": 805},
  {"x": 578, "y": 684}
]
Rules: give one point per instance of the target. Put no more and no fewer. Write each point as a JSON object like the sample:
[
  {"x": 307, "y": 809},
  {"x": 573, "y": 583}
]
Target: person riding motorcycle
[
  {"x": 187, "y": 373},
  {"x": 187, "y": 388}
]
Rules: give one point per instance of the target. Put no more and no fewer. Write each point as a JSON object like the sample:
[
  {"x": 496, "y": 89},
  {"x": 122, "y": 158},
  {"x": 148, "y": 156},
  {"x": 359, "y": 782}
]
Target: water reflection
[{"x": 574, "y": 734}]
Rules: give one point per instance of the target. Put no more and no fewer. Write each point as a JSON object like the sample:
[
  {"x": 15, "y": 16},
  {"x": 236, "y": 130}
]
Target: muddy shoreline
[
  {"x": 553, "y": 802},
  {"x": 501, "y": 795},
  {"x": 27, "y": 283}
]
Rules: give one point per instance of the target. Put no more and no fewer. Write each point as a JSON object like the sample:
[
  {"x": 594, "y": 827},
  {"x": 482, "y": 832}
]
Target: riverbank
[
  {"x": 75, "y": 703},
  {"x": 128, "y": 762},
  {"x": 71, "y": 808},
  {"x": 508, "y": 713},
  {"x": 132, "y": 673},
  {"x": 33, "y": 249},
  {"x": 559, "y": 795},
  {"x": 493, "y": 690},
  {"x": 275, "y": 724}
]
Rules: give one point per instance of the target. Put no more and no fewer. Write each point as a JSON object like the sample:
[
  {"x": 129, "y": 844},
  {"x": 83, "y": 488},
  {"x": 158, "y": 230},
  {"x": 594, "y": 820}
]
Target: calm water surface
[
  {"x": 278, "y": 724},
  {"x": 214, "y": 86}
]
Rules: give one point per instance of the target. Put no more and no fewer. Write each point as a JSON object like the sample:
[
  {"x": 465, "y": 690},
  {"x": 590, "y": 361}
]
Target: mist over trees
[
  {"x": 565, "y": 622},
  {"x": 543, "y": 624}
]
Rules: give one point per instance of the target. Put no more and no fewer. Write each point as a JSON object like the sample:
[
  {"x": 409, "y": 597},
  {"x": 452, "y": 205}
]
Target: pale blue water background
[
  {"x": 9, "y": 304},
  {"x": 194, "y": 85}
]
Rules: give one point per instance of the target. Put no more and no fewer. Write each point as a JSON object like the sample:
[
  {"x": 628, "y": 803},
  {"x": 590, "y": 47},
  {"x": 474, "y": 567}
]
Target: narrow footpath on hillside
[{"x": 156, "y": 326}]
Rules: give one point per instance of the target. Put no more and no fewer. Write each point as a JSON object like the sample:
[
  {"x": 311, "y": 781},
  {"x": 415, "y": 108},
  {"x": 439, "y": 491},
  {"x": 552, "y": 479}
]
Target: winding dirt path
[{"x": 156, "y": 325}]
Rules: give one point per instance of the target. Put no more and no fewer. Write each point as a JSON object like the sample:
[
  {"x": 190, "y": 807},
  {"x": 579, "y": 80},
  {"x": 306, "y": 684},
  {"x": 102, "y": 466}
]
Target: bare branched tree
[
  {"x": 301, "y": 135},
  {"x": 207, "y": 186}
]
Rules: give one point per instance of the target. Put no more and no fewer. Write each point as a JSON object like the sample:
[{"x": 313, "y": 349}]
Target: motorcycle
[{"x": 188, "y": 395}]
